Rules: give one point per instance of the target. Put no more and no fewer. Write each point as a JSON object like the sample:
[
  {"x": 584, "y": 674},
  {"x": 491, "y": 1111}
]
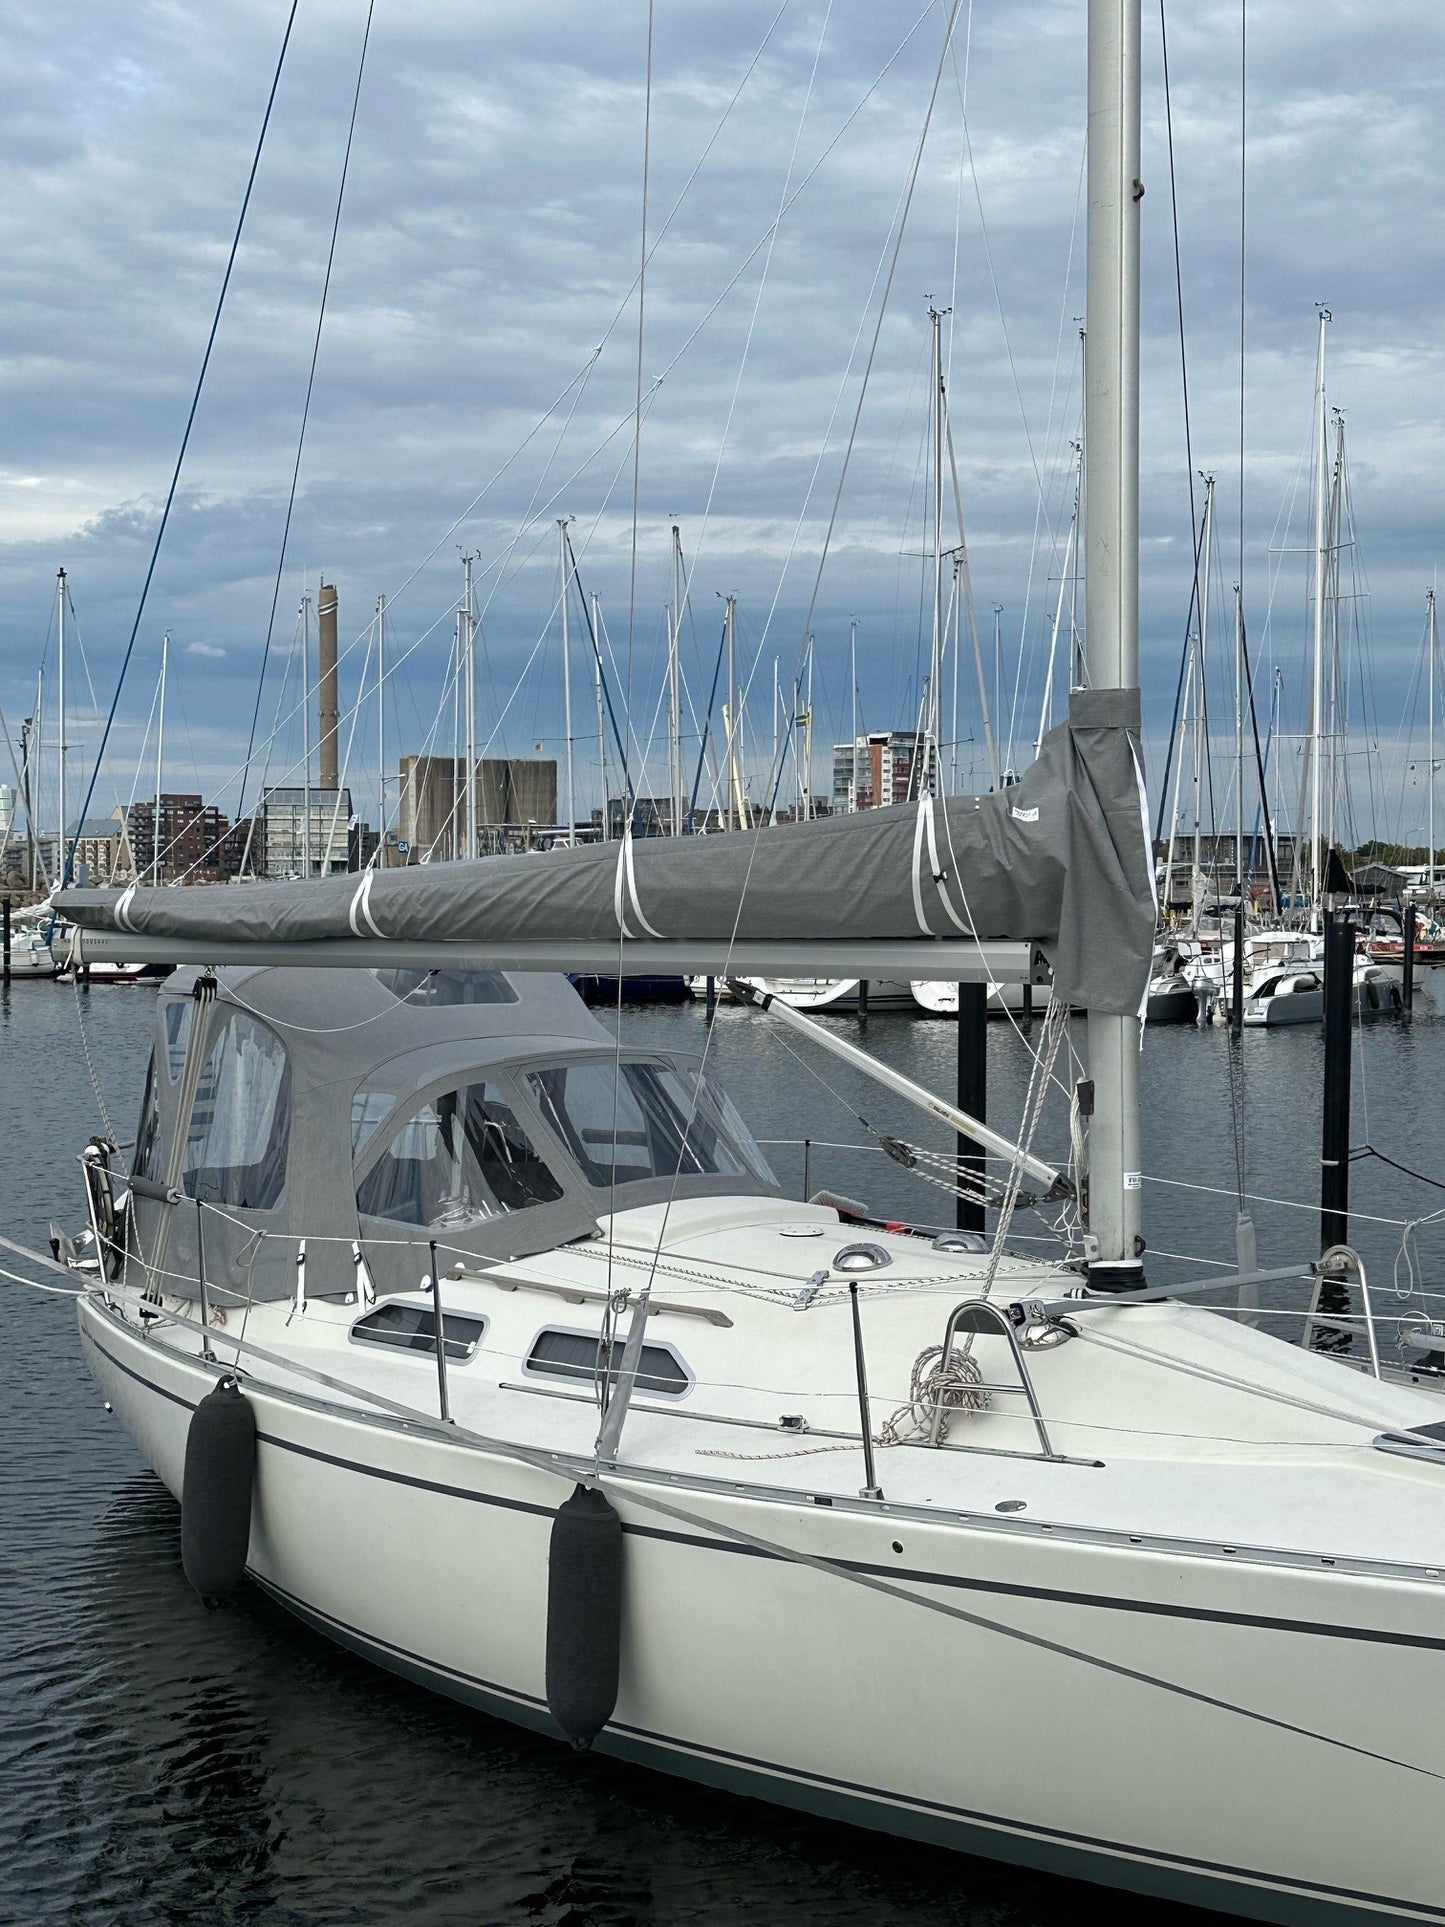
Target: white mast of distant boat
[
  {"x": 674, "y": 684},
  {"x": 599, "y": 699},
  {"x": 1202, "y": 757},
  {"x": 377, "y": 854},
  {"x": 933, "y": 707},
  {"x": 564, "y": 599},
  {"x": 1430, "y": 748},
  {"x": 469, "y": 659},
  {"x": 160, "y": 763},
  {"x": 60, "y": 732},
  {"x": 1316, "y": 743}
]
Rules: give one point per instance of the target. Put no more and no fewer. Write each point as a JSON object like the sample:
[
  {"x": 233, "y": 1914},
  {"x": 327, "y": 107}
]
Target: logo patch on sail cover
[{"x": 1024, "y": 816}]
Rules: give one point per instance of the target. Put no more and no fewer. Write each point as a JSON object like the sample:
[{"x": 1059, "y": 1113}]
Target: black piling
[
  {"x": 1407, "y": 988},
  {"x": 1335, "y": 1129},
  {"x": 862, "y": 996},
  {"x": 711, "y": 998},
  {"x": 5, "y": 942},
  {"x": 972, "y": 1093},
  {"x": 1236, "y": 987}
]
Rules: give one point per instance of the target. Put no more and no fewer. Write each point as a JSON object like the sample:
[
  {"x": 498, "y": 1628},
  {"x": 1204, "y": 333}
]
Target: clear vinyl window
[
  {"x": 148, "y": 1130},
  {"x": 461, "y": 1157},
  {"x": 630, "y": 1121},
  {"x": 179, "y": 1015},
  {"x": 240, "y": 1124},
  {"x": 424, "y": 989},
  {"x": 369, "y": 1111}
]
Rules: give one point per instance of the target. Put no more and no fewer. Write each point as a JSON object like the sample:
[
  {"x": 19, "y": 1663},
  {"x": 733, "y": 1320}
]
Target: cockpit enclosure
[{"x": 487, "y": 1112}]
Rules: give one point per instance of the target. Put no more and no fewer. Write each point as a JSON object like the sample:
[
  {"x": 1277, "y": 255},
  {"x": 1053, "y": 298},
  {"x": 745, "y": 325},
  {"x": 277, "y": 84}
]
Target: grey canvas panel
[{"x": 1061, "y": 859}]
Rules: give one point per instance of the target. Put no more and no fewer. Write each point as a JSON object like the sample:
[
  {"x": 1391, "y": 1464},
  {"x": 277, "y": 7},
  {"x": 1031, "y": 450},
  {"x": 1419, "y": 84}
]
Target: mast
[
  {"x": 935, "y": 320},
  {"x": 60, "y": 736},
  {"x": 305, "y": 735},
  {"x": 731, "y": 712},
  {"x": 455, "y": 826},
  {"x": 156, "y": 868},
  {"x": 27, "y": 733},
  {"x": 1239, "y": 739},
  {"x": 776, "y": 767},
  {"x": 1322, "y": 496},
  {"x": 807, "y": 741},
  {"x": 380, "y": 729},
  {"x": 853, "y": 714},
  {"x": 954, "y": 641},
  {"x": 1201, "y": 748},
  {"x": 601, "y": 716},
  {"x": 1430, "y": 742},
  {"x": 37, "y": 748},
  {"x": 1335, "y": 693},
  {"x": 1111, "y": 570},
  {"x": 1066, "y": 579},
  {"x": 674, "y": 684},
  {"x": 469, "y": 644},
  {"x": 566, "y": 681},
  {"x": 1168, "y": 893}
]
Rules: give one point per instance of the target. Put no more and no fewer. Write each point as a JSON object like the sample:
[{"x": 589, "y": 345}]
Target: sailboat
[{"x": 492, "y": 1350}]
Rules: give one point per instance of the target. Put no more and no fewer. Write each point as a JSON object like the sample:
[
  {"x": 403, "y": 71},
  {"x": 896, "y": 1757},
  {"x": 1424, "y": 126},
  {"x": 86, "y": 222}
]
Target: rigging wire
[
  {"x": 641, "y": 326},
  {"x": 882, "y": 313},
  {"x": 306, "y": 404},
  {"x": 186, "y": 436},
  {"x": 584, "y": 373}
]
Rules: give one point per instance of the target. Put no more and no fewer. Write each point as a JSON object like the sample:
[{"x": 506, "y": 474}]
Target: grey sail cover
[{"x": 1060, "y": 859}]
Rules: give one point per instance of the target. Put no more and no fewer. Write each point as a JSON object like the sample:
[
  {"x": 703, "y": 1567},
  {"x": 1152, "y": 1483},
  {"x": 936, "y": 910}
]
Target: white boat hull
[
  {"x": 1028, "y": 1694},
  {"x": 941, "y": 999},
  {"x": 833, "y": 993}
]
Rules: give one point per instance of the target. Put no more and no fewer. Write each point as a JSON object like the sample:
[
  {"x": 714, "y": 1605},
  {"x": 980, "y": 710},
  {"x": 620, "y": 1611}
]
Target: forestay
[{"x": 1060, "y": 859}]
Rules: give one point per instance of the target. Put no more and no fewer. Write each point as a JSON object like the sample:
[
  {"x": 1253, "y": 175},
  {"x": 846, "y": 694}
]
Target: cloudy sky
[{"x": 478, "y": 364}]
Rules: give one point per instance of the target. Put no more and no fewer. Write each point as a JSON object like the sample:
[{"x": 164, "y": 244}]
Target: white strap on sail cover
[
  {"x": 625, "y": 899},
  {"x": 925, "y": 831},
  {"x": 361, "y": 908},
  {"x": 122, "y": 908}
]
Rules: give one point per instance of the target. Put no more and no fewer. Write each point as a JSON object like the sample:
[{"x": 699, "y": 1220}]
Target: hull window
[
  {"x": 240, "y": 1126},
  {"x": 564, "y": 1354},
  {"x": 462, "y": 1157},
  {"x": 413, "y": 1328},
  {"x": 629, "y": 1122}
]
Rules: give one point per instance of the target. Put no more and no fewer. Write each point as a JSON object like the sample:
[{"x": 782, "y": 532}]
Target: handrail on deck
[
  {"x": 1334, "y": 1264},
  {"x": 977, "y": 1316}
]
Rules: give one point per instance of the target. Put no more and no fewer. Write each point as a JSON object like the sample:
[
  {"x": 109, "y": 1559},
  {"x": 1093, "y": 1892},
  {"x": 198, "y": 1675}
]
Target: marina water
[{"x": 161, "y": 1763}]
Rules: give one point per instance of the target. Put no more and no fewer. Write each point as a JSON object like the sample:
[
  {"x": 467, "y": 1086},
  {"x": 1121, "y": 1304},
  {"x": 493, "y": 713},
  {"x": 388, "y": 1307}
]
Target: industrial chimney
[{"x": 326, "y": 686}]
